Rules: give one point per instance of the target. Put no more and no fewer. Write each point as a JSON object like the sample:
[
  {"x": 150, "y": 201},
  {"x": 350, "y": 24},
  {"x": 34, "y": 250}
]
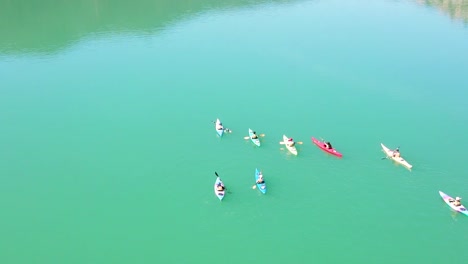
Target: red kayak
[{"x": 321, "y": 145}]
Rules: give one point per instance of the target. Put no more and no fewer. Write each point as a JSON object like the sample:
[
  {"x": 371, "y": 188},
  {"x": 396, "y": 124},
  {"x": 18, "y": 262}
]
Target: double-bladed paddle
[
  {"x": 223, "y": 184},
  {"x": 393, "y": 150},
  {"x": 298, "y": 142},
  {"x": 261, "y": 135}
]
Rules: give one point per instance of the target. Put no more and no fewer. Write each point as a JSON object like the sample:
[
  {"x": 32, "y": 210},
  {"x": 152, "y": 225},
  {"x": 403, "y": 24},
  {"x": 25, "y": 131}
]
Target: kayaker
[
  {"x": 220, "y": 187},
  {"x": 328, "y": 145},
  {"x": 260, "y": 178},
  {"x": 254, "y": 135},
  {"x": 291, "y": 142},
  {"x": 396, "y": 153},
  {"x": 456, "y": 202},
  {"x": 219, "y": 126}
]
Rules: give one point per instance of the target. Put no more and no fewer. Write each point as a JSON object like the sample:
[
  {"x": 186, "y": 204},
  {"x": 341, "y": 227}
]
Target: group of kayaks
[
  {"x": 290, "y": 144},
  {"x": 325, "y": 146}
]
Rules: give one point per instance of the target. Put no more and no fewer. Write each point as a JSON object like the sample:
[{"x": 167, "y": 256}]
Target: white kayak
[
  {"x": 399, "y": 160},
  {"x": 219, "y": 194},
  {"x": 449, "y": 200},
  {"x": 291, "y": 149},
  {"x": 221, "y": 130}
]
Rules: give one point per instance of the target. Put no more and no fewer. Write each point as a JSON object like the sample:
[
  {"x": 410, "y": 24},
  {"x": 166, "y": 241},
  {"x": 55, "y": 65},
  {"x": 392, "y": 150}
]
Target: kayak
[
  {"x": 219, "y": 194},
  {"x": 260, "y": 186},
  {"x": 321, "y": 145},
  {"x": 219, "y": 131},
  {"x": 291, "y": 149},
  {"x": 399, "y": 160},
  {"x": 256, "y": 141},
  {"x": 447, "y": 199}
]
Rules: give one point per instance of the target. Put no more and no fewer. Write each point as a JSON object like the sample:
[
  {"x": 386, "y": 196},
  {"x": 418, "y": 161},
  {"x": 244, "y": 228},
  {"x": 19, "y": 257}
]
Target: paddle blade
[
  {"x": 300, "y": 142},
  {"x": 254, "y": 187},
  {"x": 262, "y": 135},
  {"x": 216, "y": 174},
  {"x": 246, "y": 137},
  {"x": 281, "y": 142}
]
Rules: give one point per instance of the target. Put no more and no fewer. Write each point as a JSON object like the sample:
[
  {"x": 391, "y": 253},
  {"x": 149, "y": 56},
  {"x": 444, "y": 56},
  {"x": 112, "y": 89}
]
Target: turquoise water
[{"x": 108, "y": 151}]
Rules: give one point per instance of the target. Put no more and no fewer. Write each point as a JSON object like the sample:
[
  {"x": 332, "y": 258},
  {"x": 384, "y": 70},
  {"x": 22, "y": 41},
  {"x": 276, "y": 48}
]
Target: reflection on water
[
  {"x": 457, "y": 9},
  {"x": 48, "y": 26}
]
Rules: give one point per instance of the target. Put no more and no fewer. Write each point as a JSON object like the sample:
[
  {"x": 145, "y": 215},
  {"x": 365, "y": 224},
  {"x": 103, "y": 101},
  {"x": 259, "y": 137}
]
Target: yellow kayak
[{"x": 399, "y": 160}]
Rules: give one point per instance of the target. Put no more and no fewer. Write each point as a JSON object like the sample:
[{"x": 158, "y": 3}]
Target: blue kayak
[
  {"x": 256, "y": 141},
  {"x": 260, "y": 186},
  {"x": 219, "y": 125}
]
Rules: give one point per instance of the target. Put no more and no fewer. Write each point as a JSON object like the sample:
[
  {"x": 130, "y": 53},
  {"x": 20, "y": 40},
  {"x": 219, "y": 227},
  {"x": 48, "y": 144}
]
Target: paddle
[
  {"x": 223, "y": 184},
  {"x": 227, "y": 130},
  {"x": 387, "y": 156},
  {"x": 299, "y": 142},
  {"x": 261, "y": 135},
  {"x": 254, "y": 186},
  {"x": 323, "y": 140}
]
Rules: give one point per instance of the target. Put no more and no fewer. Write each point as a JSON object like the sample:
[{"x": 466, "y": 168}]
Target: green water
[{"x": 108, "y": 153}]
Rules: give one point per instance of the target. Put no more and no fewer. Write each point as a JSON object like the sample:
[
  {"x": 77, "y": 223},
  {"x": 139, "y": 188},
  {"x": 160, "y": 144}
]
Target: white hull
[{"x": 399, "y": 160}]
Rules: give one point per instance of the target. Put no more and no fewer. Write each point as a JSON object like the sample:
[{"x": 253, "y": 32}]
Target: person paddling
[
  {"x": 260, "y": 179},
  {"x": 254, "y": 135},
  {"x": 220, "y": 187},
  {"x": 396, "y": 153},
  {"x": 456, "y": 202},
  {"x": 219, "y": 126}
]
